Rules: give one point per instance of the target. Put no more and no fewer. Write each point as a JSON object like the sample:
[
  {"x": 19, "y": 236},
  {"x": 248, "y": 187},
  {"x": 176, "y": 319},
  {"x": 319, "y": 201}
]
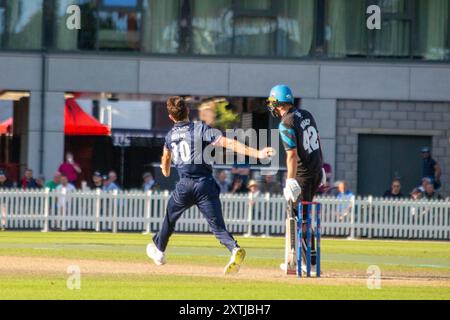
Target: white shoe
[
  {"x": 237, "y": 257},
  {"x": 156, "y": 255},
  {"x": 313, "y": 272}
]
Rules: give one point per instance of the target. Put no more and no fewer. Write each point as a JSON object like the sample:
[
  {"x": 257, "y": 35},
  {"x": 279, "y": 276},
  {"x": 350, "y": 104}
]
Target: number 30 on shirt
[{"x": 182, "y": 151}]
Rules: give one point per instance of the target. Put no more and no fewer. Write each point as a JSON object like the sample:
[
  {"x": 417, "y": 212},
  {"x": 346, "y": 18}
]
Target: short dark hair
[{"x": 177, "y": 108}]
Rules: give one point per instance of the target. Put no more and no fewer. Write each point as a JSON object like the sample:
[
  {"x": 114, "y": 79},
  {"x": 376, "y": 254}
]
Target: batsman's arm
[
  {"x": 241, "y": 148},
  {"x": 291, "y": 163},
  {"x": 165, "y": 162}
]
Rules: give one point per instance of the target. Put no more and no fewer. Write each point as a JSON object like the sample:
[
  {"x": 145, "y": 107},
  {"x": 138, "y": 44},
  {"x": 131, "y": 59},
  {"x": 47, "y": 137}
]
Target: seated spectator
[
  {"x": 343, "y": 191},
  {"x": 241, "y": 171},
  {"x": 65, "y": 184},
  {"x": 425, "y": 182},
  {"x": 70, "y": 168},
  {"x": 270, "y": 185},
  {"x": 344, "y": 194},
  {"x": 253, "y": 188},
  {"x": 431, "y": 194},
  {"x": 149, "y": 182},
  {"x": 97, "y": 181},
  {"x": 28, "y": 182},
  {"x": 110, "y": 182},
  {"x": 40, "y": 181},
  {"x": 431, "y": 169},
  {"x": 54, "y": 183},
  {"x": 395, "y": 191},
  {"x": 416, "y": 194},
  {"x": 222, "y": 181},
  {"x": 238, "y": 185},
  {"x": 4, "y": 182}
]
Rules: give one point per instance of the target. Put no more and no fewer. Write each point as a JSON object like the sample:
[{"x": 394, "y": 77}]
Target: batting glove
[{"x": 292, "y": 190}]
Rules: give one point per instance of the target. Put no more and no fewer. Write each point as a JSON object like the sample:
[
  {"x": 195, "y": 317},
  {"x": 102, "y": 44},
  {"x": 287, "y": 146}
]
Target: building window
[
  {"x": 211, "y": 27},
  {"x": 296, "y": 27},
  {"x": 161, "y": 26},
  {"x": 433, "y": 30},
  {"x": 345, "y": 28},
  {"x": 119, "y": 25},
  {"x": 409, "y": 29},
  {"x": 395, "y": 37},
  {"x": 21, "y": 24}
]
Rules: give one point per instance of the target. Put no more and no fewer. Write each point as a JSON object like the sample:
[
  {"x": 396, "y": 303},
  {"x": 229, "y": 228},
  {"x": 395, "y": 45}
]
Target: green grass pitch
[{"x": 30, "y": 268}]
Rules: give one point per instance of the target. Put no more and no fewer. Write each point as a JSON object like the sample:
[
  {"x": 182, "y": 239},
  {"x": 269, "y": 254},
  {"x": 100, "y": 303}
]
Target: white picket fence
[{"x": 263, "y": 215}]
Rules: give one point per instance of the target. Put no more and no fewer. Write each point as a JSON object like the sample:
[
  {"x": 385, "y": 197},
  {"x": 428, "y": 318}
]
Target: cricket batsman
[
  {"x": 184, "y": 145},
  {"x": 300, "y": 138}
]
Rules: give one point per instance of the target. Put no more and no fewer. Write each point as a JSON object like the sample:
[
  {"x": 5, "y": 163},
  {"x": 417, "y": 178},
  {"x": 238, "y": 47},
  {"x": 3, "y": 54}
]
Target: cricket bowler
[
  {"x": 184, "y": 145},
  {"x": 300, "y": 138}
]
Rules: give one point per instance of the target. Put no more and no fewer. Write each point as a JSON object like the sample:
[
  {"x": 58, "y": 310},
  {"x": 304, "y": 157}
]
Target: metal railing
[{"x": 244, "y": 214}]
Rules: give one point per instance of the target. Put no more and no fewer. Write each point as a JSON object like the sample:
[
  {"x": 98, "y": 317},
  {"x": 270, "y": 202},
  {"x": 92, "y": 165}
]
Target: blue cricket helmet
[
  {"x": 278, "y": 95},
  {"x": 282, "y": 94}
]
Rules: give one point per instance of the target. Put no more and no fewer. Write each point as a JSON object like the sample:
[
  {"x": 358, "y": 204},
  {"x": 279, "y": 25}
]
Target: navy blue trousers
[{"x": 203, "y": 192}]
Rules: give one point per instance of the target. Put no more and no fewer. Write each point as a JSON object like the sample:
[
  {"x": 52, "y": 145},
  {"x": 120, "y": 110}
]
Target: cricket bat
[{"x": 290, "y": 259}]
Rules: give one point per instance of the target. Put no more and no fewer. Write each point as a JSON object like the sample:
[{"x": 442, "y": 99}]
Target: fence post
[
  {"x": 268, "y": 215},
  {"x": 46, "y": 209},
  {"x": 97, "y": 210},
  {"x": 369, "y": 212},
  {"x": 250, "y": 215},
  {"x": 352, "y": 219},
  {"x": 114, "y": 211},
  {"x": 147, "y": 211},
  {"x": 62, "y": 204}
]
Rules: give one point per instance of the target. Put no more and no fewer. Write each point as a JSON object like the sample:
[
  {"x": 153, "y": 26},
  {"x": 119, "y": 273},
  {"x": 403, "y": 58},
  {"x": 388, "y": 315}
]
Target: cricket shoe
[
  {"x": 283, "y": 266},
  {"x": 291, "y": 272},
  {"x": 237, "y": 257},
  {"x": 155, "y": 254},
  {"x": 304, "y": 271}
]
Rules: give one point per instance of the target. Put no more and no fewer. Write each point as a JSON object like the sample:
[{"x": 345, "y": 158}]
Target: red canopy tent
[
  {"x": 79, "y": 123},
  {"x": 6, "y": 126},
  {"x": 76, "y": 122}
]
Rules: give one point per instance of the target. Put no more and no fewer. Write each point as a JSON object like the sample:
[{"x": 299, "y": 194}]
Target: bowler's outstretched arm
[{"x": 242, "y": 149}]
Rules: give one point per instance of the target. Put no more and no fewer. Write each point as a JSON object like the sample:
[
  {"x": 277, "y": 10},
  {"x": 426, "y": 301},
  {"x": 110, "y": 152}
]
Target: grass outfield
[{"x": 114, "y": 266}]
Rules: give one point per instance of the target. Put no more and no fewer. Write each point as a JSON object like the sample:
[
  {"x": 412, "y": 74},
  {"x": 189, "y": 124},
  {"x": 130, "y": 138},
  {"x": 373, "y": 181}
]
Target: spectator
[
  {"x": 343, "y": 191},
  {"x": 40, "y": 181},
  {"x": 425, "y": 183},
  {"x": 431, "y": 194},
  {"x": 416, "y": 194},
  {"x": 431, "y": 169},
  {"x": 253, "y": 188},
  {"x": 97, "y": 181},
  {"x": 53, "y": 184},
  {"x": 4, "y": 182},
  {"x": 28, "y": 182},
  {"x": 70, "y": 168},
  {"x": 241, "y": 171},
  {"x": 238, "y": 185},
  {"x": 344, "y": 194},
  {"x": 395, "y": 191},
  {"x": 64, "y": 185},
  {"x": 270, "y": 185},
  {"x": 149, "y": 182},
  {"x": 223, "y": 182},
  {"x": 110, "y": 182}
]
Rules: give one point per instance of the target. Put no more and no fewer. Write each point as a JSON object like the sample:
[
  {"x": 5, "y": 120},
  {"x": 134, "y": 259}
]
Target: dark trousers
[{"x": 204, "y": 193}]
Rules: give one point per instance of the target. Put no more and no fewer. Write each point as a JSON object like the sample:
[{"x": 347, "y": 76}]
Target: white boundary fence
[{"x": 263, "y": 215}]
